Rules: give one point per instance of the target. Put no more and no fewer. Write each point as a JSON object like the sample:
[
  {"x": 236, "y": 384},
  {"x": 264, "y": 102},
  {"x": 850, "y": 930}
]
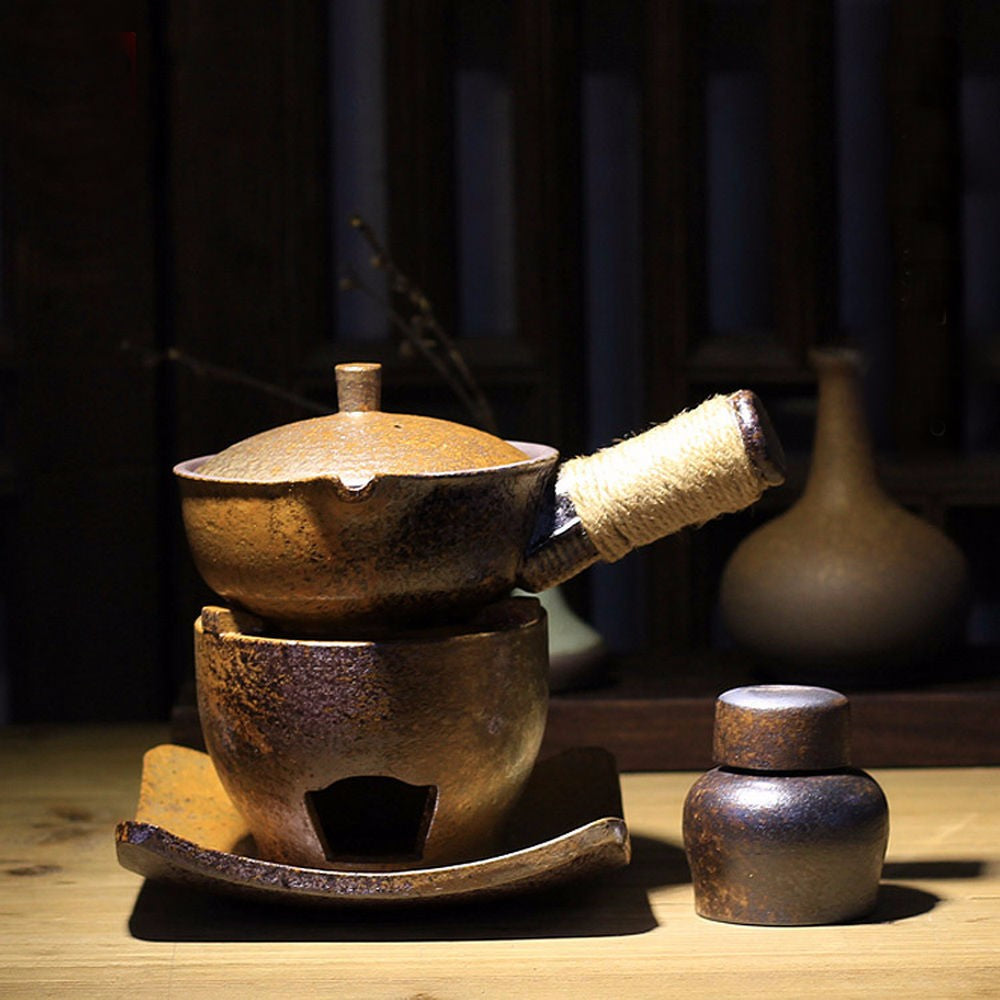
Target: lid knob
[
  {"x": 359, "y": 387},
  {"x": 782, "y": 727}
]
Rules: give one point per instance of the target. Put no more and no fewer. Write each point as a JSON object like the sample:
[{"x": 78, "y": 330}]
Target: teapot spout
[{"x": 715, "y": 459}]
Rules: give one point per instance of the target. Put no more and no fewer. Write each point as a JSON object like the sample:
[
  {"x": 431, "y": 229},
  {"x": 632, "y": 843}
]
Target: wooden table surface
[{"x": 74, "y": 923}]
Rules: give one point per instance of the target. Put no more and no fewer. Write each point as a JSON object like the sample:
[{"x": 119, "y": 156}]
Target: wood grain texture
[
  {"x": 79, "y": 412},
  {"x": 248, "y": 208},
  {"x": 420, "y": 157},
  {"x": 673, "y": 263},
  {"x": 547, "y": 185},
  {"x": 924, "y": 73},
  {"x": 802, "y": 83},
  {"x": 73, "y": 923}
]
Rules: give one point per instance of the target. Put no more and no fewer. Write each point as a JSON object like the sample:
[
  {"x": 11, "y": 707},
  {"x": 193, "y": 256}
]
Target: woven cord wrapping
[{"x": 684, "y": 472}]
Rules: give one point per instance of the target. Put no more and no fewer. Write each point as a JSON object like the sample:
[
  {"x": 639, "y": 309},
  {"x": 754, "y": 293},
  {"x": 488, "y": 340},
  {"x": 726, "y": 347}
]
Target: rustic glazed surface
[
  {"x": 784, "y": 831},
  {"x": 363, "y": 521},
  {"x": 785, "y": 848},
  {"x": 782, "y": 727},
  {"x": 359, "y": 442},
  {"x": 446, "y": 724},
  {"x": 313, "y": 558}
]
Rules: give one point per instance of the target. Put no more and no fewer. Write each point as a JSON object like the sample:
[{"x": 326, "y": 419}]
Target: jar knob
[{"x": 782, "y": 727}]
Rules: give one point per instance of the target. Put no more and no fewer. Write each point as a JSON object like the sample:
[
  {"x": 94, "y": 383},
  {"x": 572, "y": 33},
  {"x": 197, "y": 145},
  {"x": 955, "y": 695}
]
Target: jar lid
[
  {"x": 782, "y": 727},
  {"x": 360, "y": 442}
]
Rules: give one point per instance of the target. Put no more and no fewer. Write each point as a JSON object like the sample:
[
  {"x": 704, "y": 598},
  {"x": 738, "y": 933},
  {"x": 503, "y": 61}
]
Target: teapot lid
[{"x": 360, "y": 441}]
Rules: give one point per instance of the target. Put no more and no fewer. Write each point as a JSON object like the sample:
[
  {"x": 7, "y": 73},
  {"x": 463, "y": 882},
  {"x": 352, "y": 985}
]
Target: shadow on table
[
  {"x": 943, "y": 869},
  {"x": 615, "y": 904},
  {"x": 900, "y": 902}
]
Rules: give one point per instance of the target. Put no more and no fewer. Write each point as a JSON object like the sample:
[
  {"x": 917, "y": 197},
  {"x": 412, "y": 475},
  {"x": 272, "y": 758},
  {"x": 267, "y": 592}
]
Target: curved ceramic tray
[{"x": 567, "y": 826}]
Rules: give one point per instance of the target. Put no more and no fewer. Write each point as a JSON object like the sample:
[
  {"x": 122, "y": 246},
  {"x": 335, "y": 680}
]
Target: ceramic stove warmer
[{"x": 375, "y": 755}]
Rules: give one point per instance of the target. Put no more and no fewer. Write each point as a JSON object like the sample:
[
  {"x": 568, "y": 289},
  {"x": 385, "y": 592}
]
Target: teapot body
[{"x": 312, "y": 560}]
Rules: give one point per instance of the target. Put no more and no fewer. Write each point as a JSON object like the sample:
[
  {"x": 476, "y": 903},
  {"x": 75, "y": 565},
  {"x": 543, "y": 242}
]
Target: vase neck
[{"x": 843, "y": 462}]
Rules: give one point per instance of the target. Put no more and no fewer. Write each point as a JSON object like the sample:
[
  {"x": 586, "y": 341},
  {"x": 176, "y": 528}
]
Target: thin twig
[
  {"x": 206, "y": 369},
  {"x": 425, "y": 332},
  {"x": 423, "y": 346}
]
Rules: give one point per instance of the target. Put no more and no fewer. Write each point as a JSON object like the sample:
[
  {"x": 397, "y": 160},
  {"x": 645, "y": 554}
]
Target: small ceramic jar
[{"x": 784, "y": 830}]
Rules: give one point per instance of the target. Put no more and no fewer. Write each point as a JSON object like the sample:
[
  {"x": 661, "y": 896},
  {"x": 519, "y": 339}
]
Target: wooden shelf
[
  {"x": 972, "y": 480},
  {"x": 657, "y": 715}
]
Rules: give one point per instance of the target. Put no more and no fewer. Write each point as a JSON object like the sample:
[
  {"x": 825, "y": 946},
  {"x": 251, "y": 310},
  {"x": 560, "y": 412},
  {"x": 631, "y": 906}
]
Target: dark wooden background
[{"x": 169, "y": 181}]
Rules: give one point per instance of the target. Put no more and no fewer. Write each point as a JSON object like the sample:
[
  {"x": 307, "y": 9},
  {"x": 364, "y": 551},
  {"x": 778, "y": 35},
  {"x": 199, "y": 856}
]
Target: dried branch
[
  {"x": 423, "y": 330},
  {"x": 484, "y": 418},
  {"x": 206, "y": 369}
]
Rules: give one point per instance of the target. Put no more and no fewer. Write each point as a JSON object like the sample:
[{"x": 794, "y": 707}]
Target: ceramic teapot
[{"x": 367, "y": 519}]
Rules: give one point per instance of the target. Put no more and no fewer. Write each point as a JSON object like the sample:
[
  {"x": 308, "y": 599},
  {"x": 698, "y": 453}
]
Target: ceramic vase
[{"x": 847, "y": 586}]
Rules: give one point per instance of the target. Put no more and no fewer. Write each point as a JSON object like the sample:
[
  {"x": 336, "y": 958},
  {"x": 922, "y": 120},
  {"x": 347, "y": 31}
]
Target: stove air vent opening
[{"x": 372, "y": 818}]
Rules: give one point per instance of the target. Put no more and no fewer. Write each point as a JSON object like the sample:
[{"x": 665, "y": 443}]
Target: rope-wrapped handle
[{"x": 715, "y": 459}]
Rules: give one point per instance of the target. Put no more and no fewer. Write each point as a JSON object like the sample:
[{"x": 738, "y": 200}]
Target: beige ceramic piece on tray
[
  {"x": 375, "y": 755},
  {"x": 578, "y": 655},
  {"x": 366, "y": 520},
  {"x": 847, "y": 586}
]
